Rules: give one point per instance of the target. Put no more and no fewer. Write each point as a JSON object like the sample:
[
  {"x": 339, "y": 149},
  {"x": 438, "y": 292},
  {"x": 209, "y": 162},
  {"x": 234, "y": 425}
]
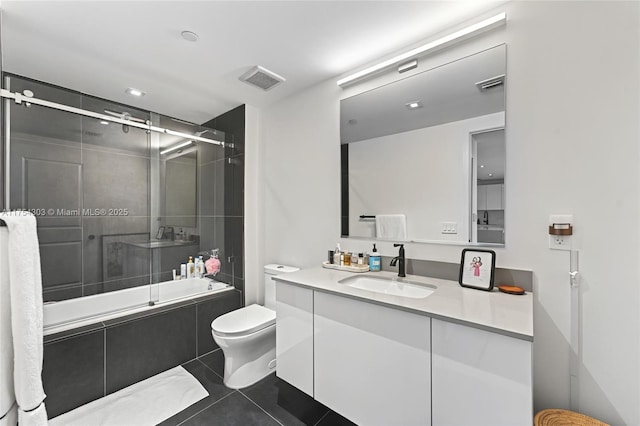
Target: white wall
[
  {"x": 572, "y": 147},
  {"x": 428, "y": 186}
]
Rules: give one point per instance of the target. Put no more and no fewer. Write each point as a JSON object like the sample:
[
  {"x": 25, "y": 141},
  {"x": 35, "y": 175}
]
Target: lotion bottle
[{"x": 191, "y": 268}]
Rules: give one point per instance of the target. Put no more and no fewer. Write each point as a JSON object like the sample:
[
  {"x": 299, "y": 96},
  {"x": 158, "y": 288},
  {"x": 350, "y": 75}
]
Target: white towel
[
  {"x": 391, "y": 227},
  {"x": 25, "y": 288}
]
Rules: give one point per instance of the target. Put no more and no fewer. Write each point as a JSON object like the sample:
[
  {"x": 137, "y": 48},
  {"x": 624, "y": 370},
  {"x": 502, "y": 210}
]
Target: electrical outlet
[
  {"x": 449, "y": 228},
  {"x": 560, "y": 242}
]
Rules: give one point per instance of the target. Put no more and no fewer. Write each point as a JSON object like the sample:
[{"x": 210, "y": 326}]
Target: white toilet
[{"x": 247, "y": 336}]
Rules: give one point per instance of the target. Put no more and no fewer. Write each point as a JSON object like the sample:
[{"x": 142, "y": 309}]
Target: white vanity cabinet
[
  {"x": 490, "y": 197},
  {"x": 372, "y": 363},
  {"x": 294, "y": 336},
  {"x": 479, "y": 377}
]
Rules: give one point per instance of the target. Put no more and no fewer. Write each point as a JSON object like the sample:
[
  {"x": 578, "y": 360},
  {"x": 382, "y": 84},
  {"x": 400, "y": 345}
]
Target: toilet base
[
  {"x": 251, "y": 372},
  {"x": 248, "y": 359}
]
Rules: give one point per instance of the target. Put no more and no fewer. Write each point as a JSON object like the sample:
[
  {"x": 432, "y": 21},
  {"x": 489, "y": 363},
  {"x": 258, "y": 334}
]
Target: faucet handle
[{"x": 398, "y": 245}]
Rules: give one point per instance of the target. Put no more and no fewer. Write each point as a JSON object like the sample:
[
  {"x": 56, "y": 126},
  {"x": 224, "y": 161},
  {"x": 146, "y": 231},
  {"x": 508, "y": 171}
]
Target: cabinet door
[
  {"x": 494, "y": 197},
  {"x": 480, "y": 378},
  {"x": 482, "y": 197},
  {"x": 294, "y": 336},
  {"x": 372, "y": 363}
]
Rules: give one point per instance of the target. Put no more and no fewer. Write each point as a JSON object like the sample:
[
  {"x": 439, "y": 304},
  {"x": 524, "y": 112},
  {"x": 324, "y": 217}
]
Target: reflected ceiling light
[
  {"x": 135, "y": 92},
  {"x": 189, "y": 36},
  {"x": 474, "y": 29},
  {"x": 413, "y": 104},
  {"x": 173, "y": 148},
  {"x": 490, "y": 83},
  {"x": 105, "y": 122},
  {"x": 490, "y": 174}
]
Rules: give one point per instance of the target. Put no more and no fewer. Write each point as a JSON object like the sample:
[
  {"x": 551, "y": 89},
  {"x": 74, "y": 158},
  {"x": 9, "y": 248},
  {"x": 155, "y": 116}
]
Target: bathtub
[{"x": 72, "y": 313}]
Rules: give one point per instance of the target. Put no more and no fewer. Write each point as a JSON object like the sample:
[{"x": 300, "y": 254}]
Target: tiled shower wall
[{"x": 222, "y": 209}]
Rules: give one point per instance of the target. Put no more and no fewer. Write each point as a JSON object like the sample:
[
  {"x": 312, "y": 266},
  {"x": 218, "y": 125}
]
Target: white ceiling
[{"x": 101, "y": 48}]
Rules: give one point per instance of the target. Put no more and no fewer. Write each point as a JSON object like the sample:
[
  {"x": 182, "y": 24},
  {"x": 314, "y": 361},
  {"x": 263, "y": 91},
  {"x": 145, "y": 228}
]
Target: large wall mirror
[{"x": 423, "y": 158}]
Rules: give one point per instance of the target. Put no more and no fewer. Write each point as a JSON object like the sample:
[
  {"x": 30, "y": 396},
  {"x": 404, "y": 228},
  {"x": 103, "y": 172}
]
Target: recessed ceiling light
[
  {"x": 413, "y": 104},
  {"x": 490, "y": 174},
  {"x": 189, "y": 36},
  {"x": 135, "y": 92},
  {"x": 481, "y": 166},
  {"x": 105, "y": 122}
]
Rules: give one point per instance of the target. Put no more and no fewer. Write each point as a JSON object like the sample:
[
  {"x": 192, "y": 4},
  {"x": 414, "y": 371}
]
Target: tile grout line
[
  {"x": 322, "y": 418},
  {"x": 258, "y": 405},
  {"x": 104, "y": 362},
  {"x": 206, "y": 408},
  {"x": 214, "y": 372}
]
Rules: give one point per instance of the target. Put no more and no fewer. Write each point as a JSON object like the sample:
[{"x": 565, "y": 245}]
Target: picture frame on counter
[{"x": 477, "y": 269}]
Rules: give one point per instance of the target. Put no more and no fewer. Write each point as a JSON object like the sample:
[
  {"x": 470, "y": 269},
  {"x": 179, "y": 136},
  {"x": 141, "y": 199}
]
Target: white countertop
[{"x": 494, "y": 311}]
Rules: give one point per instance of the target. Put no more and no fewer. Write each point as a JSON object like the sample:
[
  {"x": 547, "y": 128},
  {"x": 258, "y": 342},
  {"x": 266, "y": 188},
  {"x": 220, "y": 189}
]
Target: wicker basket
[{"x": 557, "y": 417}]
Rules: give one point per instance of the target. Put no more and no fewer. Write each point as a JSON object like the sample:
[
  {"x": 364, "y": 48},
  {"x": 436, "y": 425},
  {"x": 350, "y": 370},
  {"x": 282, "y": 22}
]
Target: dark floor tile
[
  {"x": 215, "y": 361},
  {"x": 211, "y": 382},
  {"x": 287, "y": 404},
  {"x": 233, "y": 410},
  {"x": 335, "y": 419}
]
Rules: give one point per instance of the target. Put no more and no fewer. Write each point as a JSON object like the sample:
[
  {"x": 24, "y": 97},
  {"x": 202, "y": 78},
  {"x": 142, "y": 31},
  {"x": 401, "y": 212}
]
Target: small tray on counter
[{"x": 352, "y": 268}]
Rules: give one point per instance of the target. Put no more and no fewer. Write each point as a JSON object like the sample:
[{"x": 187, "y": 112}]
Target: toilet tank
[{"x": 271, "y": 271}]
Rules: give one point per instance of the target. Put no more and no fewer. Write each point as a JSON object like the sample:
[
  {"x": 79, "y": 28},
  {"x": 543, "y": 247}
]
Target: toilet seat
[{"x": 243, "y": 321}]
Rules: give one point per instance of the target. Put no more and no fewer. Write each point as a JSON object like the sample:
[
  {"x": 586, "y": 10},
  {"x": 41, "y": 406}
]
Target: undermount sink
[{"x": 395, "y": 286}]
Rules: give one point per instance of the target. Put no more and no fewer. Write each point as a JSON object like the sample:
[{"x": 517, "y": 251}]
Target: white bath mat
[{"x": 148, "y": 402}]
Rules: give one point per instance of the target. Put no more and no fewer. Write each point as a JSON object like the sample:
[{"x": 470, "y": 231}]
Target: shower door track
[{"x": 19, "y": 98}]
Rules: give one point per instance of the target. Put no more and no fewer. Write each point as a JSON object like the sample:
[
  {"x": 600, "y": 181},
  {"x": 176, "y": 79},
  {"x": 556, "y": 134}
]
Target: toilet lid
[{"x": 244, "y": 321}]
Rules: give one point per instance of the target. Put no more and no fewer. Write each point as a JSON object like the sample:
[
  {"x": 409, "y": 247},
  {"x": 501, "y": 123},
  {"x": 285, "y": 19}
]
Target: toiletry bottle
[
  {"x": 360, "y": 258},
  {"x": 375, "y": 260},
  {"x": 336, "y": 254},
  {"x": 183, "y": 271},
  {"x": 198, "y": 267},
  {"x": 191, "y": 268},
  {"x": 202, "y": 268},
  {"x": 330, "y": 256},
  {"x": 347, "y": 258}
]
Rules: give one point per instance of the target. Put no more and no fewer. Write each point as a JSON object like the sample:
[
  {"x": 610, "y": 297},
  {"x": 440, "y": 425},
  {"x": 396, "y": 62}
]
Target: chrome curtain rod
[{"x": 19, "y": 98}]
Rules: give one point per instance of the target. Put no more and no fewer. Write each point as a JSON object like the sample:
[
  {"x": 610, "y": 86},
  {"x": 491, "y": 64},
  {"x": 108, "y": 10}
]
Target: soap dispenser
[
  {"x": 191, "y": 268},
  {"x": 375, "y": 260}
]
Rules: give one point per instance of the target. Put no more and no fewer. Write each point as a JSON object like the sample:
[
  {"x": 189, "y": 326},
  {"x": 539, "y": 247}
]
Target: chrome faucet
[{"x": 399, "y": 257}]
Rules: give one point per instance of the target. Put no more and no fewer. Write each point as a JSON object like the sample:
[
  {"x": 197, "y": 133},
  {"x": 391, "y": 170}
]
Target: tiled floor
[{"x": 269, "y": 402}]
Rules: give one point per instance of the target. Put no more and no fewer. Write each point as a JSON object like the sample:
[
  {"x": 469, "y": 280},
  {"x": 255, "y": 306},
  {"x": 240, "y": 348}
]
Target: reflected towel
[
  {"x": 25, "y": 288},
  {"x": 391, "y": 227}
]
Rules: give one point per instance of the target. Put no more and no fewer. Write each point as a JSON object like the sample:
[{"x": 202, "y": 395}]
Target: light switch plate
[{"x": 449, "y": 228}]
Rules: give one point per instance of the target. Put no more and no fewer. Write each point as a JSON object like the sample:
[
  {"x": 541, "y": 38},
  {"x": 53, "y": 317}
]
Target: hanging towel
[
  {"x": 25, "y": 291},
  {"x": 391, "y": 227}
]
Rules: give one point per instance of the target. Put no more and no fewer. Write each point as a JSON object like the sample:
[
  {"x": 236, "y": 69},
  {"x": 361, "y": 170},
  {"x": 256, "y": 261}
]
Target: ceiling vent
[
  {"x": 262, "y": 78},
  {"x": 490, "y": 83}
]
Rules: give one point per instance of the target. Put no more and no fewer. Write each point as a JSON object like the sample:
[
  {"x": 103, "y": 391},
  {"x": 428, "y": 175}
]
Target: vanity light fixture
[
  {"x": 135, "y": 92},
  {"x": 413, "y": 104},
  {"x": 173, "y": 148},
  {"x": 459, "y": 35}
]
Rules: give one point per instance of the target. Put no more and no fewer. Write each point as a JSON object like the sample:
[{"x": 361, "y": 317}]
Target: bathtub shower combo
[{"x": 122, "y": 198}]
